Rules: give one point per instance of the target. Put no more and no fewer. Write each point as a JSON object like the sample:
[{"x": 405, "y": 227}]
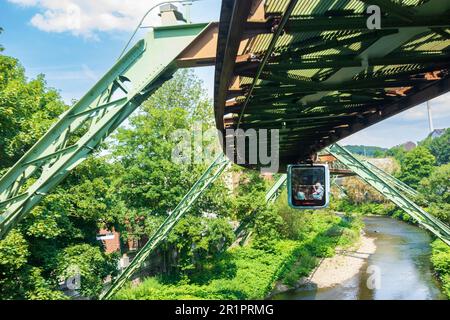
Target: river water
[{"x": 399, "y": 269}]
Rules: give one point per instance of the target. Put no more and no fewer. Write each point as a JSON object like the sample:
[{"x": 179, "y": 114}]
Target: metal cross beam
[
  {"x": 354, "y": 22},
  {"x": 204, "y": 182},
  {"x": 390, "y": 191},
  {"x": 134, "y": 77}
]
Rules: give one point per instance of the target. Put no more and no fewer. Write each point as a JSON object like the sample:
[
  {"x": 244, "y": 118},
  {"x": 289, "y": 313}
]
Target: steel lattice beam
[
  {"x": 390, "y": 191},
  {"x": 118, "y": 93},
  {"x": 355, "y": 22},
  {"x": 399, "y": 185},
  {"x": 209, "y": 176},
  {"x": 274, "y": 192}
]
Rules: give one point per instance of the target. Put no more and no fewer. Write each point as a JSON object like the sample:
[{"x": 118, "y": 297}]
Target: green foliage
[
  {"x": 252, "y": 278},
  {"x": 401, "y": 215},
  {"x": 436, "y": 187},
  {"x": 90, "y": 263},
  {"x": 250, "y": 197},
  {"x": 306, "y": 262},
  {"x": 441, "y": 263},
  {"x": 250, "y": 272},
  {"x": 417, "y": 164},
  {"x": 41, "y": 288},
  {"x": 369, "y": 151},
  {"x": 1, "y": 47},
  {"x": 267, "y": 228},
  {"x": 397, "y": 152},
  {"x": 13, "y": 253},
  {"x": 365, "y": 208},
  {"x": 369, "y": 208},
  {"x": 73, "y": 213},
  {"x": 19, "y": 280},
  {"x": 197, "y": 241},
  {"x": 27, "y": 109},
  {"x": 436, "y": 191},
  {"x": 439, "y": 147},
  {"x": 150, "y": 178}
]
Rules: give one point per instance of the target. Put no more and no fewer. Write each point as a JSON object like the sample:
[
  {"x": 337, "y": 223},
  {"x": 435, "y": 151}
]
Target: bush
[
  {"x": 255, "y": 273},
  {"x": 88, "y": 262},
  {"x": 250, "y": 272},
  {"x": 440, "y": 259},
  {"x": 417, "y": 164}
]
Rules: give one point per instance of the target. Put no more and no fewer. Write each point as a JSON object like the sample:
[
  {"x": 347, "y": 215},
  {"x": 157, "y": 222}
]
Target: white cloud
[
  {"x": 89, "y": 73},
  {"x": 88, "y": 17},
  {"x": 410, "y": 125},
  {"x": 440, "y": 107}
]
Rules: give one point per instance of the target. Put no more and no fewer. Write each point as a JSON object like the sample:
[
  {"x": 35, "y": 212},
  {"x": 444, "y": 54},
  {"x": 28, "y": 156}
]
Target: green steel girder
[
  {"x": 275, "y": 191},
  {"x": 405, "y": 13},
  {"x": 368, "y": 80},
  {"x": 294, "y": 110},
  {"x": 342, "y": 190},
  {"x": 312, "y": 109},
  {"x": 204, "y": 182},
  {"x": 274, "y": 119},
  {"x": 272, "y": 102},
  {"x": 267, "y": 55},
  {"x": 282, "y": 126},
  {"x": 291, "y": 85},
  {"x": 115, "y": 96},
  {"x": 391, "y": 191},
  {"x": 399, "y": 185},
  {"x": 341, "y": 61},
  {"x": 298, "y": 24},
  {"x": 335, "y": 43}
]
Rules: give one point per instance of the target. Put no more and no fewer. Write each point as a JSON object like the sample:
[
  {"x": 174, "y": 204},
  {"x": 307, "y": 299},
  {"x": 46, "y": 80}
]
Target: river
[{"x": 400, "y": 268}]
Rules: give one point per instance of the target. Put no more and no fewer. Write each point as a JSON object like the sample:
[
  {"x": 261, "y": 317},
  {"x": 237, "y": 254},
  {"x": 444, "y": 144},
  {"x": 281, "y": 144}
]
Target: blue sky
[{"x": 73, "y": 55}]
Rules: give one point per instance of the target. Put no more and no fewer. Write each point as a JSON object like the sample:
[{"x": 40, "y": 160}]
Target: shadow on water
[{"x": 401, "y": 260}]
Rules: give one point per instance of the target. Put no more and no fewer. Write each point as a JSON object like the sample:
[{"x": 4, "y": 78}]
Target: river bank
[
  {"x": 344, "y": 265},
  {"x": 398, "y": 252},
  {"x": 249, "y": 272}
]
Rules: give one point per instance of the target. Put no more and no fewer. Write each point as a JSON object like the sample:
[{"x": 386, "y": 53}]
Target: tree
[
  {"x": 152, "y": 181},
  {"x": 18, "y": 279},
  {"x": 440, "y": 148},
  {"x": 67, "y": 218},
  {"x": 196, "y": 241},
  {"x": 417, "y": 164},
  {"x": 89, "y": 263},
  {"x": 1, "y": 47},
  {"x": 268, "y": 224},
  {"x": 397, "y": 152},
  {"x": 378, "y": 154},
  {"x": 436, "y": 190},
  {"x": 27, "y": 109}
]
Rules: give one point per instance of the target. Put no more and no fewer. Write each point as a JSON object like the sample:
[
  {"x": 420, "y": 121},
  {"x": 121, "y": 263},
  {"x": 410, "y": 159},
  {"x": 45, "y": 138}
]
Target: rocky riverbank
[{"x": 344, "y": 265}]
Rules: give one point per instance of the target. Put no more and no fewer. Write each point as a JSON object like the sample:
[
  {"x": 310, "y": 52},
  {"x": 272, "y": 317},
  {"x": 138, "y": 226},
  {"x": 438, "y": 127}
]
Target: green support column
[
  {"x": 341, "y": 189},
  {"x": 390, "y": 191},
  {"x": 399, "y": 185},
  {"x": 205, "y": 181},
  {"x": 85, "y": 125},
  {"x": 274, "y": 192}
]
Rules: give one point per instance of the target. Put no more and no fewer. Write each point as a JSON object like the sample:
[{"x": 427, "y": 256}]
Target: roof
[{"x": 313, "y": 70}]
